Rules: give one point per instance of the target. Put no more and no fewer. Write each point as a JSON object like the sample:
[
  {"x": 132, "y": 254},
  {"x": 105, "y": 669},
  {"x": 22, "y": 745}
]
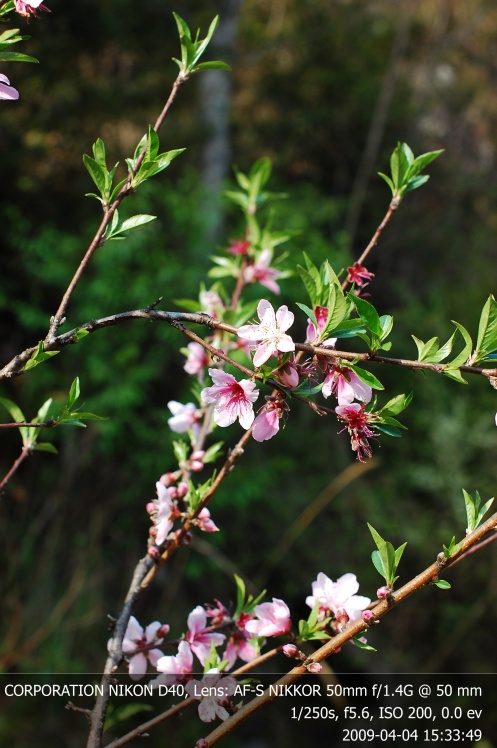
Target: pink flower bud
[
  {"x": 314, "y": 667},
  {"x": 367, "y": 616},
  {"x": 150, "y": 507},
  {"x": 202, "y": 743},
  {"x": 182, "y": 489},
  {"x": 163, "y": 631},
  {"x": 291, "y": 650},
  {"x": 167, "y": 479},
  {"x": 383, "y": 592},
  {"x": 173, "y": 492},
  {"x": 153, "y": 551}
]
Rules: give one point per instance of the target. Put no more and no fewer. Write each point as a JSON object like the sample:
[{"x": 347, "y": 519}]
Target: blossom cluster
[
  {"x": 239, "y": 636},
  {"x": 231, "y": 399}
]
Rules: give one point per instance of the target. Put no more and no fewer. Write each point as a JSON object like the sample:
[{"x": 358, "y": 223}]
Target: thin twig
[
  {"x": 394, "y": 204},
  {"x": 176, "y": 319},
  {"x": 25, "y": 452},
  {"x": 99, "y": 238}
]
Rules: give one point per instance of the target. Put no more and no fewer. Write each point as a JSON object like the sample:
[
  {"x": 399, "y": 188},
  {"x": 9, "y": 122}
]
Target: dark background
[{"x": 325, "y": 90}]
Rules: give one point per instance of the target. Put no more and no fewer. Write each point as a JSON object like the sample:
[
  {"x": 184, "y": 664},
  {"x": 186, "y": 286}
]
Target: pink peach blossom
[
  {"x": 262, "y": 272},
  {"x": 270, "y": 333},
  {"x": 231, "y": 399},
  {"x": 272, "y": 619},
  {"x": 198, "y": 637}
]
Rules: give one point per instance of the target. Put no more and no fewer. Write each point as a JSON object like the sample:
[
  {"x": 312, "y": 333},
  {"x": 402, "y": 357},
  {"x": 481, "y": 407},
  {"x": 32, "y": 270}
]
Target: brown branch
[
  {"x": 376, "y": 236},
  {"x": 39, "y": 425},
  {"x": 176, "y": 319},
  {"x": 25, "y": 452}
]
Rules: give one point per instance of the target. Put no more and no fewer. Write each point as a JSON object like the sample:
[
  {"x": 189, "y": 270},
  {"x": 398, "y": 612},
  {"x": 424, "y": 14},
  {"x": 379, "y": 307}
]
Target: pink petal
[{"x": 284, "y": 318}]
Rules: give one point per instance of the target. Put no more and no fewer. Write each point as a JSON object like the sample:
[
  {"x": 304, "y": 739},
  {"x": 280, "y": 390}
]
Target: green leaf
[
  {"x": 363, "y": 645},
  {"x": 16, "y": 57},
  {"x": 39, "y": 356},
  {"x": 134, "y": 222},
  {"x": 388, "y": 430},
  {"x": 487, "y": 332},
  {"x": 211, "y": 454},
  {"x": 17, "y": 417},
  {"x": 213, "y": 65},
  {"x": 397, "y": 404},
  {"x": 309, "y": 313},
  {"x": 463, "y": 356},
  {"x": 386, "y": 558},
  {"x": 388, "y": 181},
  {"x": 240, "y": 594},
  {"x": 416, "y": 182},
  {"x": 367, "y": 377},
  {"x": 337, "y": 310},
  {"x": 74, "y": 393},
  {"x": 46, "y": 447},
  {"x": 474, "y": 511},
  {"x": 310, "y": 284},
  {"x": 442, "y": 584},
  {"x": 96, "y": 172},
  {"x": 367, "y": 313},
  {"x": 80, "y": 333}
]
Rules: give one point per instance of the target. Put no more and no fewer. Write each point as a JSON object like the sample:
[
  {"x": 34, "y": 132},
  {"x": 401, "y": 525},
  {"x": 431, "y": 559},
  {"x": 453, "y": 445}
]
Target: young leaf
[
  {"x": 367, "y": 377},
  {"x": 442, "y": 584},
  {"x": 487, "y": 332},
  {"x": 39, "y": 356},
  {"x": 309, "y": 313},
  {"x": 367, "y": 313}
]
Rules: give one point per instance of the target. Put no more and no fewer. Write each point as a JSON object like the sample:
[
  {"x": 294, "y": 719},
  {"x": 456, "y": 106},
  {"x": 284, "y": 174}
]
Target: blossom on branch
[
  {"x": 270, "y": 334},
  {"x": 184, "y": 417},
  {"x": 272, "y": 619},
  {"x": 179, "y": 665},
  {"x": 267, "y": 423},
  {"x": 238, "y": 247},
  {"x": 360, "y": 276},
  {"x": 205, "y": 522},
  {"x": 346, "y": 385},
  {"x": 164, "y": 512},
  {"x": 313, "y": 334},
  {"x": 196, "y": 361},
  {"x": 358, "y": 420},
  {"x": 138, "y": 638},
  {"x": 338, "y": 598},
  {"x": 29, "y": 7},
  {"x": 262, "y": 272},
  {"x": 231, "y": 399},
  {"x": 198, "y": 637},
  {"x": 7, "y": 92},
  {"x": 218, "y": 690}
]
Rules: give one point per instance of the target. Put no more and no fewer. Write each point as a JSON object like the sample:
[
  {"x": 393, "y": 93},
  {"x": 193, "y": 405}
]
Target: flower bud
[
  {"x": 202, "y": 743},
  {"x": 163, "y": 631},
  {"x": 291, "y": 650},
  {"x": 150, "y": 507},
  {"x": 367, "y": 616},
  {"x": 153, "y": 551},
  {"x": 314, "y": 667},
  {"x": 182, "y": 489},
  {"x": 383, "y": 592}
]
